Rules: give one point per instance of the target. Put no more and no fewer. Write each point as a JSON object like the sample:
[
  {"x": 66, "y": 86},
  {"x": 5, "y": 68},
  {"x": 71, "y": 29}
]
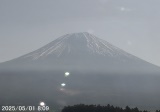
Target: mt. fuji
[
  {"x": 81, "y": 43},
  {"x": 81, "y": 51},
  {"x": 80, "y": 68}
]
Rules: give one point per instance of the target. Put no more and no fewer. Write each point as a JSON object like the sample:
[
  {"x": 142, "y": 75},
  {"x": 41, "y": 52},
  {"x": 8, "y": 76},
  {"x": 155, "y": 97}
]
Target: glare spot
[
  {"x": 63, "y": 84},
  {"x": 67, "y": 74},
  {"x": 122, "y": 9},
  {"x": 42, "y": 104}
]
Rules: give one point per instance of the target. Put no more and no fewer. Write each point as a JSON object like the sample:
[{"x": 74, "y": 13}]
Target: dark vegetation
[{"x": 99, "y": 108}]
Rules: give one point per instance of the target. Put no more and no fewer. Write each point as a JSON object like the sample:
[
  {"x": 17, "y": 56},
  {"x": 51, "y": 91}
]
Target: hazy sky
[{"x": 133, "y": 25}]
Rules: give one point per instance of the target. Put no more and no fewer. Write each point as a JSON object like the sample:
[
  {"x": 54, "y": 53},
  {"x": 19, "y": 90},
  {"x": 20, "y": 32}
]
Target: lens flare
[
  {"x": 42, "y": 104},
  {"x": 63, "y": 84},
  {"x": 67, "y": 74}
]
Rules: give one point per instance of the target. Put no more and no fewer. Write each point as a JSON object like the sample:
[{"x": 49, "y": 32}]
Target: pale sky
[{"x": 132, "y": 25}]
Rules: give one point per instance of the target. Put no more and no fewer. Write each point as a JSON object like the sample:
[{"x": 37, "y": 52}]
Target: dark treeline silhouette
[{"x": 99, "y": 108}]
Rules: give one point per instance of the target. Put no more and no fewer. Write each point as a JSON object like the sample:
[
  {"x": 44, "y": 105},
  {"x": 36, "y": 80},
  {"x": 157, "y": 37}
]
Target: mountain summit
[{"x": 75, "y": 44}]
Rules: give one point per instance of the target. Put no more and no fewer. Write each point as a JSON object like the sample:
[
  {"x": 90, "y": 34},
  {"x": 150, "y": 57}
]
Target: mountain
[
  {"x": 98, "y": 73},
  {"x": 81, "y": 51}
]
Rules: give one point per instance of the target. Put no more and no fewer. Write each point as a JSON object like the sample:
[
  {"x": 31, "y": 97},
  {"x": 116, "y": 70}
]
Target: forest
[{"x": 99, "y": 108}]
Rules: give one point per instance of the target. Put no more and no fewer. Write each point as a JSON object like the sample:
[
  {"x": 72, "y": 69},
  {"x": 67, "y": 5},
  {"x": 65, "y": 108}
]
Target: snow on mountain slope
[{"x": 83, "y": 43}]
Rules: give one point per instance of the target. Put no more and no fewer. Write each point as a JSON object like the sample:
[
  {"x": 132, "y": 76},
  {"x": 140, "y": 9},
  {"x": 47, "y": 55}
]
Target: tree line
[{"x": 99, "y": 108}]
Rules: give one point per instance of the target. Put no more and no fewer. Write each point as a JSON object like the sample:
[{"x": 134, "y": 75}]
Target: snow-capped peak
[{"x": 83, "y": 43}]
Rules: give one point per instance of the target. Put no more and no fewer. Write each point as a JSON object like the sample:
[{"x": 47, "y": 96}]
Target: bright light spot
[
  {"x": 63, "y": 84},
  {"x": 122, "y": 9},
  {"x": 42, "y": 104},
  {"x": 67, "y": 74}
]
